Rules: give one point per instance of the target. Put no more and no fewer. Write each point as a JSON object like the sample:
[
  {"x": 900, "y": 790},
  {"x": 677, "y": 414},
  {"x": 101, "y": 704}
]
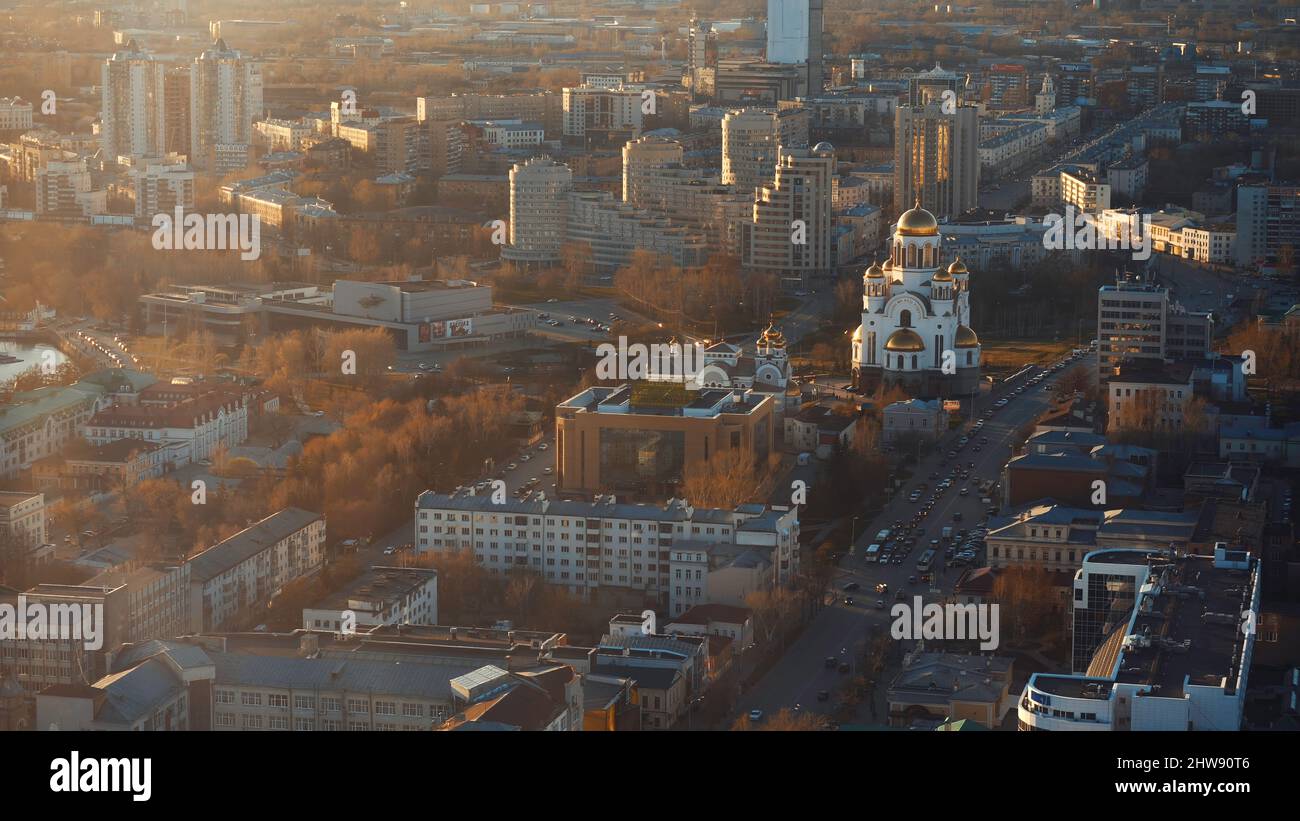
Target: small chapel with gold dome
[{"x": 916, "y": 326}]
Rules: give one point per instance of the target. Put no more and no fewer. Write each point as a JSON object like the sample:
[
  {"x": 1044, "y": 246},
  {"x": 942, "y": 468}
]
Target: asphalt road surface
[{"x": 841, "y": 630}]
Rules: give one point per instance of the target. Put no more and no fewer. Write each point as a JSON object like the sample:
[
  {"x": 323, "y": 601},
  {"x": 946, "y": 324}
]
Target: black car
[
  {"x": 831, "y": 662},
  {"x": 844, "y": 667},
  {"x": 852, "y": 586},
  {"x": 823, "y": 695}
]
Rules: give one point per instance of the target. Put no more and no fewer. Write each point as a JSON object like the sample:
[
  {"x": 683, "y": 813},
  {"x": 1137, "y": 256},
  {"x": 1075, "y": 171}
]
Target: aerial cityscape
[{"x": 649, "y": 365}]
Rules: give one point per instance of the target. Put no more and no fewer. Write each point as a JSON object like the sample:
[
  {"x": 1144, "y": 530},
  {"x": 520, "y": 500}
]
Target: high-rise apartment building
[
  {"x": 641, "y": 157},
  {"x": 225, "y": 100},
  {"x": 751, "y": 140},
  {"x": 936, "y": 154},
  {"x": 1008, "y": 86},
  {"x": 701, "y": 57},
  {"x": 1146, "y": 85},
  {"x": 1267, "y": 222},
  {"x": 539, "y": 210},
  {"x": 1074, "y": 81},
  {"x": 594, "y": 115},
  {"x": 132, "y": 104},
  {"x": 63, "y": 188},
  {"x": 161, "y": 187},
  {"x": 177, "y": 84},
  {"x": 794, "y": 36},
  {"x": 790, "y": 234}
]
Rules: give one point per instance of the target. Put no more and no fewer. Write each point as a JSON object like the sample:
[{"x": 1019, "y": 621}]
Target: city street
[{"x": 841, "y": 630}]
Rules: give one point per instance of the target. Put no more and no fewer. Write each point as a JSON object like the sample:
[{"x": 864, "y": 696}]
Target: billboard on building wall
[
  {"x": 460, "y": 327},
  {"x": 425, "y": 332}
]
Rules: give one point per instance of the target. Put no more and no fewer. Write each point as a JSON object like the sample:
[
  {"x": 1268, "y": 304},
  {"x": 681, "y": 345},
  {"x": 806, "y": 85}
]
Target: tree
[
  {"x": 784, "y": 721},
  {"x": 726, "y": 480},
  {"x": 1027, "y": 592}
]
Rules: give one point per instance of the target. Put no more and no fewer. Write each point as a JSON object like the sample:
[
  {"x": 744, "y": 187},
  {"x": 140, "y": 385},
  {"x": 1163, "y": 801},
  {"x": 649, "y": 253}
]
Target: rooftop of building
[
  {"x": 378, "y": 585},
  {"x": 1187, "y": 630},
  {"x": 250, "y": 541},
  {"x": 634, "y": 400},
  {"x": 706, "y": 613},
  {"x": 9, "y": 498}
]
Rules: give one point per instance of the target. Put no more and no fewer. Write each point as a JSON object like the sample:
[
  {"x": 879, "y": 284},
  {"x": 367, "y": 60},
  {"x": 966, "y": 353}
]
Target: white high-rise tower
[
  {"x": 131, "y": 104},
  {"x": 794, "y": 37},
  {"x": 225, "y": 100}
]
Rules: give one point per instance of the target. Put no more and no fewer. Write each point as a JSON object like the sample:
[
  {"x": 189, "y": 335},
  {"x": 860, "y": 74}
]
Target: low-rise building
[
  {"x": 302, "y": 680},
  {"x": 820, "y": 430},
  {"x": 919, "y": 418},
  {"x": 245, "y": 570},
  {"x": 22, "y": 521},
  {"x": 380, "y": 595},
  {"x": 1056, "y": 537},
  {"x": 199, "y": 425},
  {"x": 948, "y": 686}
]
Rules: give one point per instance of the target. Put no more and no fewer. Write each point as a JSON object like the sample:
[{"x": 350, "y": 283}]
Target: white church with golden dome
[{"x": 916, "y": 328}]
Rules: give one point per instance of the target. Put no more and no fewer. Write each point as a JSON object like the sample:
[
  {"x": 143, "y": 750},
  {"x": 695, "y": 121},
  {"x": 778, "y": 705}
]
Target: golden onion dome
[
  {"x": 772, "y": 337},
  {"x": 857, "y": 334},
  {"x": 958, "y": 267},
  {"x": 875, "y": 271},
  {"x": 941, "y": 276},
  {"x": 966, "y": 338},
  {"x": 918, "y": 222},
  {"x": 905, "y": 340}
]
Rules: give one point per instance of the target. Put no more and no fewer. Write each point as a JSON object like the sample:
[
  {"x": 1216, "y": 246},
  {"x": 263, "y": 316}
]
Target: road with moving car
[{"x": 858, "y": 611}]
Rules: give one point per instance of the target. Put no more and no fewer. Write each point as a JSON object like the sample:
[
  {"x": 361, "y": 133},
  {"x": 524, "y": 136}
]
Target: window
[
  {"x": 281, "y": 701},
  {"x": 386, "y": 708},
  {"x": 304, "y": 702},
  {"x": 225, "y": 697},
  {"x": 250, "y": 699},
  {"x": 225, "y": 719}
]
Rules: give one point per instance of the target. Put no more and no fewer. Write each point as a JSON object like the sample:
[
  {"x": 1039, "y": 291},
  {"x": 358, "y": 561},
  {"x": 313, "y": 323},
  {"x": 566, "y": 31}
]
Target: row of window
[{"x": 328, "y": 704}]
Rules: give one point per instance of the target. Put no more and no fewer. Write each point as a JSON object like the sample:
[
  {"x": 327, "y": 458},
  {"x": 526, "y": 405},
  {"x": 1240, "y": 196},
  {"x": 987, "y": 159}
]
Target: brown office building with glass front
[{"x": 642, "y": 440}]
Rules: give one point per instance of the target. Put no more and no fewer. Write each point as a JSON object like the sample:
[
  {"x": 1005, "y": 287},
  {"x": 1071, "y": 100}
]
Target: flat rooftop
[
  {"x": 1189, "y": 630},
  {"x": 379, "y": 585}
]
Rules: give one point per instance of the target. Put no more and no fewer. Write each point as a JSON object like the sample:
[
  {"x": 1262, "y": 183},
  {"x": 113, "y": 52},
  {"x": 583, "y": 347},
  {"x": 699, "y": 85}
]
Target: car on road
[
  {"x": 844, "y": 667},
  {"x": 848, "y": 600},
  {"x": 511, "y": 466},
  {"x": 851, "y": 586},
  {"x": 755, "y": 715},
  {"x": 911, "y": 579},
  {"x": 548, "y": 470},
  {"x": 831, "y": 663},
  {"x": 823, "y": 695},
  {"x": 882, "y": 587},
  {"x": 525, "y": 458},
  {"x": 880, "y": 604},
  {"x": 390, "y": 550}
]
